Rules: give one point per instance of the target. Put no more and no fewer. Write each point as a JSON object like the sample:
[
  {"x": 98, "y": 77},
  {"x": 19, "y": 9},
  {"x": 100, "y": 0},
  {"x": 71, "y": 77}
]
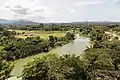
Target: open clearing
[{"x": 42, "y": 34}]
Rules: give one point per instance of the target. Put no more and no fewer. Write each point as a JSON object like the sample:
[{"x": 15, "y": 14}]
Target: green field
[{"x": 42, "y": 34}]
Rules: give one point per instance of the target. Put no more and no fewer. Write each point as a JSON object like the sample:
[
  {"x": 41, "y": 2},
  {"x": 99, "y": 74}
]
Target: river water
[{"x": 76, "y": 47}]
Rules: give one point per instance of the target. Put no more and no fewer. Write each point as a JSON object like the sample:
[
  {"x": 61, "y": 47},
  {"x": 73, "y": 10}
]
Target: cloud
[
  {"x": 31, "y": 0},
  {"x": 38, "y": 10},
  {"x": 7, "y": 6},
  {"x": 61, "y": 10},
  {"x": 115, "y": 1},
  {"x": 18, "y": 9},
  {"x": 37, "y": 18},
  {"x": 23, "y": 11},
  {"x": 18, "y": 6},
  {"x": 90, "y": 2},
  {"x": 2, "y": 2}
]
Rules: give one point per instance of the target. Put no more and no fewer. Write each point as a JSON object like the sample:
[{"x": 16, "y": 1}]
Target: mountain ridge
[
  {"x": 28, "y": 22},
  {"x": 17, "y": 22}
]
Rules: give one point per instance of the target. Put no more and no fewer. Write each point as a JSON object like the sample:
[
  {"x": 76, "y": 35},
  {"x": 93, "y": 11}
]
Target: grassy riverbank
[{"x": 19, "y": 64}]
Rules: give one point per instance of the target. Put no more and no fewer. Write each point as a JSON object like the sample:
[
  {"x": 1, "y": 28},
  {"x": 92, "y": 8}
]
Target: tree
[
  {"x": 1, "y": 29},
  {"x": 70, "y": 36},
  {"x": 5, "y": 68},
  {"x": 114, "y": 52},
  {"x": 53, "y": 67},
  {"x": 98, "y": 59},
  {"x": 7, "y": 33},
  {"x": 51, "y": 41}
]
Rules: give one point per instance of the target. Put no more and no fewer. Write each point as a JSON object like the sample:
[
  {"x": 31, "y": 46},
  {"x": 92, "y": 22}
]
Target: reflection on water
[
  {"x": 15, "y": 78},
  {"x": 77, "y": 46}
]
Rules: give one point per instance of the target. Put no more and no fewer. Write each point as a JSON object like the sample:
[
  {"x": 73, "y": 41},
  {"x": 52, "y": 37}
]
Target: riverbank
[
  {"x": 19, "y": 64},
  {"x": 76, "y": 47}
]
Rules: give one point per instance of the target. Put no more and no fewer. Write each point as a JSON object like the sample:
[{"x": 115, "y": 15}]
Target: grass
[{"x": 42, "y": 34}]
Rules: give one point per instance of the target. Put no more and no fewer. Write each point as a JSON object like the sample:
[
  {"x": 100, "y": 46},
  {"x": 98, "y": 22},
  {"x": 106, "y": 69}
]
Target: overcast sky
[{"x": 60, "y": 10}]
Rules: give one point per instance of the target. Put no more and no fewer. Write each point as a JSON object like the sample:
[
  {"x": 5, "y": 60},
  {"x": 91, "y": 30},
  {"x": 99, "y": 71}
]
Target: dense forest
[{"x": 100, "y": 61}]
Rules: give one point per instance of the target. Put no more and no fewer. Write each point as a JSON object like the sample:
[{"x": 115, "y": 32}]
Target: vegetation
[
  {"x": 5, "y": 68},
  {"x": 100, "y": 61},
  {"x": 52, "y": 67},
  {"x": 100, "y": 58},
  {"x": 43, "y": 34},
  {"x": 15, "y": 48}
]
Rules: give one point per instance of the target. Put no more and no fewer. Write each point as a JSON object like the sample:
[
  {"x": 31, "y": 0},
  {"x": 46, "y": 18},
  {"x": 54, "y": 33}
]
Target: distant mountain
[
  {"x": 91, "y": 22},
  {"x": 17, "y": 22},
  {"x": 4, "y": 21},
  {"x": 25, "y": 22}
]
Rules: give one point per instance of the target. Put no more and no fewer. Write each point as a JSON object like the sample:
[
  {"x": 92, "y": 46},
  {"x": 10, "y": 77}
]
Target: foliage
[
  {"x": 100, "y": 60},
  {"x": 5, "y": 68},
  {"x": 15, "y": 48},
  {"x": 106, "y": 75},
  {"x": 53, "y": 67},
  {"x": 70, "y": 36}
]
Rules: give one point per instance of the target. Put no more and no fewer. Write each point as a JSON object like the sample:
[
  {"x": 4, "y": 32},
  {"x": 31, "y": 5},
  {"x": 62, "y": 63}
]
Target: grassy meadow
[{"x": 42, "y": 34}]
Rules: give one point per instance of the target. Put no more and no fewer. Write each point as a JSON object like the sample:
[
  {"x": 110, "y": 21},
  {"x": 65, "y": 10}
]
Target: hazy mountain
[
  {"x": 17, "y": 22},
  {"x": 28, "y": 22},
  {"x": 4, "y": 21},
  {"x": 24, "y": 22}
]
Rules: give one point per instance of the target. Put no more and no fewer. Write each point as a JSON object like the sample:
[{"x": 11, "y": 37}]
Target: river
[{"x": 76, "y": 47}]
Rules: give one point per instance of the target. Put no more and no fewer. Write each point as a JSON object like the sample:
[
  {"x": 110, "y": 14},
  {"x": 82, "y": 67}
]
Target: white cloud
[
  {"x": 93, "y": 2},
  {"x": 114, "y": 1},
  {"x": 60, "y": 10}
]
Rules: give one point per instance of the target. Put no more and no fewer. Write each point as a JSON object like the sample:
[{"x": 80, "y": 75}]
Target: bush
[{"x": 53, "y": 67}]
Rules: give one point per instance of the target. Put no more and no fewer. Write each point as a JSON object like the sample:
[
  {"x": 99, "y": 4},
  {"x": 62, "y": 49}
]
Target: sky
[{"x": 60, "y": 10}]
